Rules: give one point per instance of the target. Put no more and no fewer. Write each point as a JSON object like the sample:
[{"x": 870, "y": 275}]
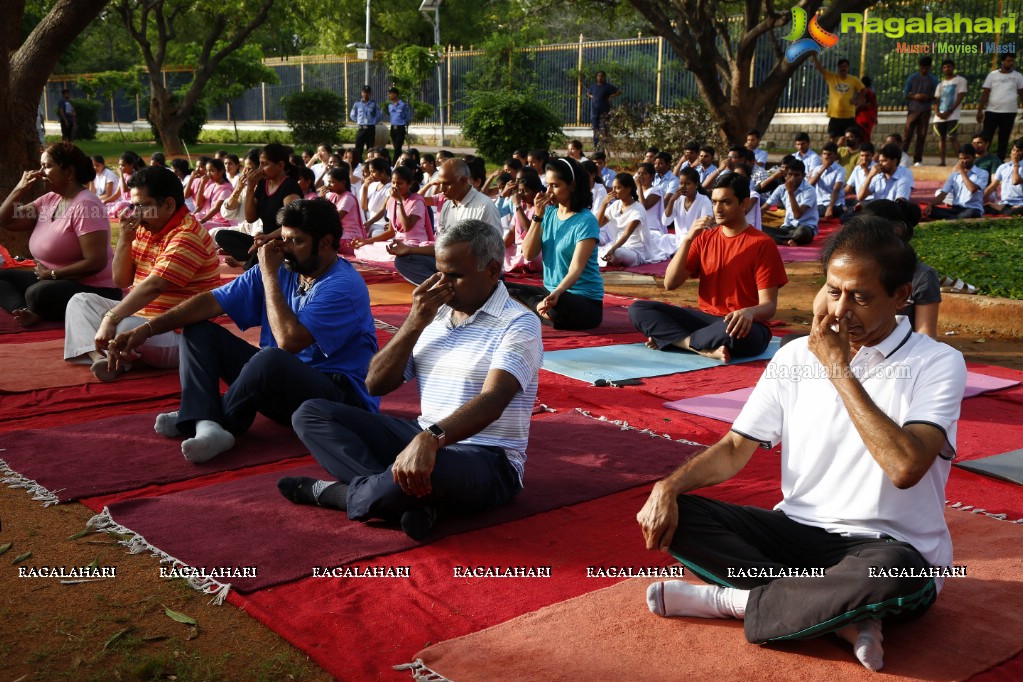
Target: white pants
[{"x": 81, "y": 321}]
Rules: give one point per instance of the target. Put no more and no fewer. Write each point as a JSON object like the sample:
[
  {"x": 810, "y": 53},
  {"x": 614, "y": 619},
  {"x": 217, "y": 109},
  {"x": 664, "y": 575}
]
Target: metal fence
[{"x": 646, "y": 69}]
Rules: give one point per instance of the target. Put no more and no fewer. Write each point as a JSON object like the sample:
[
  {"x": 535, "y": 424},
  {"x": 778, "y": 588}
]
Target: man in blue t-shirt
[
  {"x": 317, "y": 337},
  {"x": 600, "y": 93}
]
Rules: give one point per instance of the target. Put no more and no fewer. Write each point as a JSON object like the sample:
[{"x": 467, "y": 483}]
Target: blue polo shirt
[{"x": 335, "y": 310}]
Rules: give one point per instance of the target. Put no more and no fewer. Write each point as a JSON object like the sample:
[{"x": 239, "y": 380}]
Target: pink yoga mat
[
  {"x": 571, "y": 459},
  {"x": 123, "y": 453},
  {"x": 726, "y": 406}
]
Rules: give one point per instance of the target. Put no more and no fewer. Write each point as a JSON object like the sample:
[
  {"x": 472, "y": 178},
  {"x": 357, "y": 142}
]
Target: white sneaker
[{"x": 917, "y": 164}]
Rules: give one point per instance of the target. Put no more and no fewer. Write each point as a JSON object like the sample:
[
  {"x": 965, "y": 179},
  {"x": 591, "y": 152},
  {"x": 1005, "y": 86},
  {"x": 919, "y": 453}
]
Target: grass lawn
[{"x": 984, "y": 253}]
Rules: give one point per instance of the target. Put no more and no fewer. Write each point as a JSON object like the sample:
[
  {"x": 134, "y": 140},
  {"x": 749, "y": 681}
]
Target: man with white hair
[{"x": 475, "y": 354}]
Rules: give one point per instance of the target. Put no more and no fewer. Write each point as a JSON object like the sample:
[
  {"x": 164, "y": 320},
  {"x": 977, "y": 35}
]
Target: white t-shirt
[
  {"x": 684, "y": 219},
  {"x": 946, "y": 94},
  {"x": 103, "y": 181},
  {"x": 654, "y": 215},
  {"x": 829, "y": 479},
  {"x": 376, "y": 197},
  {"x": 624, "y": 216},
  {"x": 1004, "y": 89}
]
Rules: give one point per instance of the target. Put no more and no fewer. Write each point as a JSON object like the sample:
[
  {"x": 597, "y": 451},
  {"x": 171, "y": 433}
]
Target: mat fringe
[
  {"x": 624, "y": 425},
  {"x": 13, "y": 479},
  {"x": 380, "y": 324},
  {"x": 977, "y": 510},
  {"x": 420, "y": 673},
  {"x": 136, "y": 544}
]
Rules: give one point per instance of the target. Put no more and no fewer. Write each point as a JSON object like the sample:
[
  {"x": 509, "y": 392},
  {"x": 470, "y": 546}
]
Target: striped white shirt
[{"x": 451, "y": 363}]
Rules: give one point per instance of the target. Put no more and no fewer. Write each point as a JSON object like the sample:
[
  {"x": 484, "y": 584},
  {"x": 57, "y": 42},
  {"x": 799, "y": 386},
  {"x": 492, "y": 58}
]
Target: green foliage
[
  {"x": 501, "y": 121},
  {"x": 87, "y": 113},
  {"x": 239, "y": 71},
  {"x": 631, "y": 128},
  {"x": 984, "y": 253},
  {"x": 192, "y": 127},
  {"x": 502, "y": 67},
  {"x": 249, "y": 137},
  {"x": 410, "y": 67},
  {"x": 313, "y": 115}
]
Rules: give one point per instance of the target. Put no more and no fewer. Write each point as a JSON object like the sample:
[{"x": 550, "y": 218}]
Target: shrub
[
  {"x": 500, "y": 121},
  {"x": 313, "y": 116},
  {"x": 87, "y": 113},
  {"x": 631, "y": 128},
  {"x": 253, "y": 137}
]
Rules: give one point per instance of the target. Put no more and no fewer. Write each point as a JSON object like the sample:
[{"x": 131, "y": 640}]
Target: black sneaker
[{"x": 417, "y": 523}]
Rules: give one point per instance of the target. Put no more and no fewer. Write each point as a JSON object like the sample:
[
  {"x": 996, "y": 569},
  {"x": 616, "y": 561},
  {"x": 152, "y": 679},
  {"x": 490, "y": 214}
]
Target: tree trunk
[
  {"x": 24, "y": 68},
  {"x": 167, "y": 120}
]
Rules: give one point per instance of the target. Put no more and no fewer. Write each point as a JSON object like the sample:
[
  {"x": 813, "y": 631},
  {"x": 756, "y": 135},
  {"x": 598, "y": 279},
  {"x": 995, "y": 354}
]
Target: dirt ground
[{"x": 117, "y": 629}]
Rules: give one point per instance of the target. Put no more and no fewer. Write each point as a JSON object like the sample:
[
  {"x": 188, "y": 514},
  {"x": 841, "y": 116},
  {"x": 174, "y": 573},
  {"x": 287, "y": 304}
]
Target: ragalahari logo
[{"x": 818, "y": 41}]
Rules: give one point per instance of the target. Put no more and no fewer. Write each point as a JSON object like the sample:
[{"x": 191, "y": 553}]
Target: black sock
[
  {"x": 306, "y": 490},
  {"x": 417, "y": 523}
]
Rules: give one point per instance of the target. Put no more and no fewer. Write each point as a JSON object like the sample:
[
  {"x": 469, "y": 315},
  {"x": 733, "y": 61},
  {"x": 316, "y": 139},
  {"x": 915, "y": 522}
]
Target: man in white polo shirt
[
  {"x": 476, "y": 355},
  {"x": 866, "y": 412},
  {"x": 461, "y": 202}
]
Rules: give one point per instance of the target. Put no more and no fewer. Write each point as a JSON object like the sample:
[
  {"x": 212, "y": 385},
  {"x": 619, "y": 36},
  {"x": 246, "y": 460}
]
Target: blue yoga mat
[
  {"x": 633, "y": 361},
  {"x": 1008, "y": 466}
]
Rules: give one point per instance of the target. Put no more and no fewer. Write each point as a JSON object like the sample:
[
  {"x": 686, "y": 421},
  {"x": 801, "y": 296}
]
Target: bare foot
[
  {"x": 101, "y": 370},
  {"x": 791, "y": 242},
  {"x": 25, "y": 317},
  {"x": 651, "y": 344},
  {"x": 231, "y": 262},
  {"x": 720, "y": 353}
]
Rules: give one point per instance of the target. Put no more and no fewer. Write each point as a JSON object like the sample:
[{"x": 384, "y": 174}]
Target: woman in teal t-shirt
[{"x": 566, "y": 233}]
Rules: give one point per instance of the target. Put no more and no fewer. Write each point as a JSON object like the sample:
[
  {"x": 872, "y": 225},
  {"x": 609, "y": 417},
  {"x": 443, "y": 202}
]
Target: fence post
[
  {"x": 46, "y": 107},
  {"x": 660, "y": 65},
  {"x": 347, "y": 109},
  {"x": 301, "y": 76},
  {"x": 263, "y": 92},
  {"x": 579, "y": 86},
  {"x": 863, "y": 44},
  {"x": 449, "y": 84}
]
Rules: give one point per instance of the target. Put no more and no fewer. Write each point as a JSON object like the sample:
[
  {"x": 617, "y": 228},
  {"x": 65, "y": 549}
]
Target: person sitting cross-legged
[
  {"x": 740, "y": 272},
  {"x": 860, "y": 534},
  {"x": 966, "y": 185},
  {"x": 475, "y": 354},
  {"x": 316, "y": 339},
  {"x": 800, "y": 201}
]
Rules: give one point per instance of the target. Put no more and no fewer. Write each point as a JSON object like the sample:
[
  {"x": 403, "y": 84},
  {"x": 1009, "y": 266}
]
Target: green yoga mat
[
  {"x": 1007, "y": 466},
  {"x": 633, "y": 361}
]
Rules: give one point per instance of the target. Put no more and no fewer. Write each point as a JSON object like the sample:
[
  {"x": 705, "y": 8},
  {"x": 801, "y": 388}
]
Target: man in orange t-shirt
[{"x": 740, "y": 272}]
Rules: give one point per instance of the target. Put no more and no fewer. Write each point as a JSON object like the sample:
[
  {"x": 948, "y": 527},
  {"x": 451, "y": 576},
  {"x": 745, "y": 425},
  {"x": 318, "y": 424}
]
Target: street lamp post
[
  {"x": 368, "y": 48},
  {"x": 424, "y": 9}
]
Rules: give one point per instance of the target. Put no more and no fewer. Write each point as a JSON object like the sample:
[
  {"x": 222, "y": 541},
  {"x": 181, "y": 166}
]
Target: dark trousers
[
  {"x": 713, "y": 537},
  {"x": 1002, "y": 123},
  {"x": 398, "y": 134},
  {"x": 955, "y": 213},
  {"x": 236, "y": 245},
  {"x": 666, "y": 324},
  {"x": 416, "y": 267},
  {"x": 572, "y": 312},
  {"x": 67, "y": 129},
  {"x": 270, "y": 381},
  {"x": 916, "y": 122},
  {"x": 359, "y": 449},
  {"x": 47, "y": 298},
  {"x": 800, "y": 234},
  {"x": 365, "y": 137}
]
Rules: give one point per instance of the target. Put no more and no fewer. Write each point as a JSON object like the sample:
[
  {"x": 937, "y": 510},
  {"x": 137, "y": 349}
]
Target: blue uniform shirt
[
  {"x": 400, "y": 113},
  {"x": 365, "y": 113}
]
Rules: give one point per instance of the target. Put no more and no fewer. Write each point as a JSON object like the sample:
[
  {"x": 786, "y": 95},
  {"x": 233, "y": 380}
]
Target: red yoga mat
[
  {"x": 572, "y": 459},
  {"x": 10, "y": 326},
  {"x": 123, "y": 453}
]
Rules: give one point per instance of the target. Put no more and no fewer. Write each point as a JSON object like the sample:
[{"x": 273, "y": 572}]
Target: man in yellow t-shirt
[{"x": 843, "y": 91}]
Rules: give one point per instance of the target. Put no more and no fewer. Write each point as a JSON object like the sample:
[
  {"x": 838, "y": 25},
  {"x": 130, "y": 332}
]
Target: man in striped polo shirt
[
  {"x": 165, "y": 256},
  {"x": 476, "y": 355}
]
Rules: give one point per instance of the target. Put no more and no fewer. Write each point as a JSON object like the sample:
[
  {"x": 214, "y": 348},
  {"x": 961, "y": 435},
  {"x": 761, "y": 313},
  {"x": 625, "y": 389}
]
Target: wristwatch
[
  {"x": 537, "y": 219},
  {"x": 53, "y": 274},
  {"x": 437, "y": 432}
]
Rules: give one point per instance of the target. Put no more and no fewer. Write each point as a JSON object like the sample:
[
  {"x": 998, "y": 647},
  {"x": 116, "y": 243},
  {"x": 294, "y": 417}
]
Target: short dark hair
[
  {"x": 1018, "y": 143},
  {"x": 736, "y": 182},
  {"x": 307, "y": 174},
  {"x": 797, "y": 165},
  {"x": 629, "y": 183},
  {"x": 570, "y": 172},
  {"x": 67, "y": 155},
  {"x": 842, "y": 61},
  {"x": 316, "y": 217},
  {"x": 895, "y": 136},
  {"x": 754, "y": 132},
  {"x": 159, "y": 184},
  {"x": 692, "y": 146},
  {"x": 925, "y": 61},
  {"x": 855, "y": 130},
  {"x": 572, "y": 144},
  {"x": 180, "y": 165},
  {"x": 380, "y": 165},
  {"x": 477, "y": 167},
  {"x": 96, "y": 158},
  {"x": 339, "y": 174},
  {"x": 948, "y": 61},
  {"x": 513, "y": 163},
  {"x": 1007, "y": 55},
  {"x": 708, "y": 150},
  {"x": 982, "y": 134},
  {"x": 867, "y": 81},
  {"x": 967, "y": 149},
  {"x": 392, "y": 89},
  {"x": 541, "y": 155},
  {"x": 366, "y": 88},
  {"x": 905, "y": 214},
  {"x": 830, "y": 147},
  {"x": 664, "y": 156},
  {"x": 157, "y": 158},
  {"x": 530, "y": 179},
  {"x": 802, "y": 136},
  {"x": 891, "y": 151},
  {"x": 874, "y": 238},
  {"x": 653, "y": 150},
  {"x": 867, "y": 147},
  {"x": 598, "y": 156}
]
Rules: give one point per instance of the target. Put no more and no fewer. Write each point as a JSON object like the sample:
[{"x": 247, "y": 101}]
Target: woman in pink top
[
  {"x": 209, "y": 197},
  {"x": 70, "y": 239},
  {"x": 339, "y": 192},
  {"x": 529, "y": 186},
  {"x": 127, "y": 164},
  {"x": 407, "y": 213}
]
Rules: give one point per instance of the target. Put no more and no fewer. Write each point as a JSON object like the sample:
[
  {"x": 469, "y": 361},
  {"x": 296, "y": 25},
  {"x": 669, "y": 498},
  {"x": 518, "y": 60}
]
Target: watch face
[{"x": 435, "y": 430}]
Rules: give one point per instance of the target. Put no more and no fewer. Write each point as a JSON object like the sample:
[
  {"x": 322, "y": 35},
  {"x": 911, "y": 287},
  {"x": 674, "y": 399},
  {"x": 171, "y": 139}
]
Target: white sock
[
  {"x": 866, "y": 639},
  {"x": 678, "y": 598},
  {"x": 210, "y": 440},
  {"x": 167, "y": 424}
]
